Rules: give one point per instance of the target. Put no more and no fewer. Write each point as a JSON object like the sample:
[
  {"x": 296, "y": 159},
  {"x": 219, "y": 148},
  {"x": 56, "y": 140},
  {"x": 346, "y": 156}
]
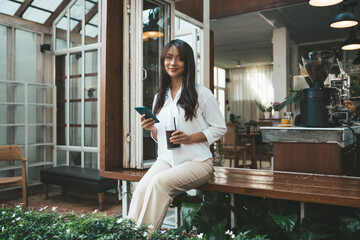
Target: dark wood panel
[
  {"x": 192, "y": 8},
  {"x": 308, "y": 157},
  {"x": 111, "y": 108},
  {"x": 225, "y": 8}
]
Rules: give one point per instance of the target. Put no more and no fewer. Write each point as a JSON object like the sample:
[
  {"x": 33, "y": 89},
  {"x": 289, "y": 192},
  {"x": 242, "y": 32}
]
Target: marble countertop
[{"x": 342, "y": 136}]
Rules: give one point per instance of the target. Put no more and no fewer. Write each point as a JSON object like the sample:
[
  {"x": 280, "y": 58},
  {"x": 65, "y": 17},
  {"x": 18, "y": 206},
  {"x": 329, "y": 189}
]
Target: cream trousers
[{"x": 158, "y": 187}]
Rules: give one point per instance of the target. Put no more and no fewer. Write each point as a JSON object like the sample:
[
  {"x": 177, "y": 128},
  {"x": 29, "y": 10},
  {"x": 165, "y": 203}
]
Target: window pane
[
  {"x": 154, "y": 19},
  {"x": 75, "y": 24},
  {"x": 90, "y": 160},
  {"x": 61, "y": 29},
  {"x": 75, "y": 159},
  {"x": 75, "y": 124},
  {"x": 38, "y": 154},
  {"x": 221, "y": 100},
  {"x": 12, "y": 92},
  {"x": 91, "y": 23},
  {"x": 26, "y": 49},
  {"x": 221, "y": 77},
  {"x": 46, "y": 4},
  {"x": 92, "y": 30},
  {"x": 34, "y": 174},
  {"x": 12, "y": 114},
  {"x": 12, "y": 135},
  {"x": 3, "y": 52},
  {"x": 185, "y": 25},
  {"x": 215, "y": 76},
  {"x": 75, "y": 99},
  {"x": 60, "y": 158},
  {"x": 36, "y": 15},
  {"x": 8, "y": 7},
  {"x": 60, "y": 80}
]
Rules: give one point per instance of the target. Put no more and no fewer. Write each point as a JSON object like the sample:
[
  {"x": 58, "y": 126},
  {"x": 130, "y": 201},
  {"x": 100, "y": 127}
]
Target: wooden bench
[
  {"x": 303, "y": 187},
  {"x": 77, "y": 177}
]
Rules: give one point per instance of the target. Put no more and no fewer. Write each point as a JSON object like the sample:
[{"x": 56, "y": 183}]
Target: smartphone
[{"x": 143, "y": 110}]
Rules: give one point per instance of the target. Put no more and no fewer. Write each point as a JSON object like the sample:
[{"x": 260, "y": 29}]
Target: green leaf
[
  {"x": 286, "y": 223},
  {"x": 350, "y": 224},
  {"x": 315, "y": 231},
  {"x": 217, "y": 232},
  {"x": 189, "y": 211}
]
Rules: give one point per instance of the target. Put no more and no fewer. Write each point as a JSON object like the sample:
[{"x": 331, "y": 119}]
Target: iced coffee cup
[{"x": 170, "y": 129}]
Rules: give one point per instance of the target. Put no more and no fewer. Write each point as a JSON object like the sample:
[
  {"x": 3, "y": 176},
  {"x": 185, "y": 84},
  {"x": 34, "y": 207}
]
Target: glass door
[{"x": 150, "y": 28}]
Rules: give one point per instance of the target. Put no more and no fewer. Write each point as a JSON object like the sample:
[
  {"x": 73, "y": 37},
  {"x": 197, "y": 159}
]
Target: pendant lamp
[
  {"x": 151, "y": 28},
  {"x": 352, "y": 42},
  {"x": 345, "y": 18},
  {"x": 323, "y": 3},
  {"x": 238, "y": 63}
]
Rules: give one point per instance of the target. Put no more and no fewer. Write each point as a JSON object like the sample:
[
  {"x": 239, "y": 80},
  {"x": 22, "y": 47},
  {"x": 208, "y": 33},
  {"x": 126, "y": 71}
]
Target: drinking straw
[{"x": 174, "y": 124}]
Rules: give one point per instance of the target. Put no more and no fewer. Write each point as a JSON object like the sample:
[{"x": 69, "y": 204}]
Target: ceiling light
[
  {"x": 323, "y": 3},
  {"x": 345, "y": 18},
  {"x": 238, "y": 64},
  {"x": 352, "y": 42},
  {"x": 357, "y": 59}
]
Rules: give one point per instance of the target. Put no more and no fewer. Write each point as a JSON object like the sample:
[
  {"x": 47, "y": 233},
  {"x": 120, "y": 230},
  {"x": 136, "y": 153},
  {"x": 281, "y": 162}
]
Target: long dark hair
[{"x": 189, "y": 98}]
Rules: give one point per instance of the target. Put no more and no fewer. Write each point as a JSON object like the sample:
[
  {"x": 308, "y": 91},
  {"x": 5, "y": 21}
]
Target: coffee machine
[{"x": 316, "y": 101}]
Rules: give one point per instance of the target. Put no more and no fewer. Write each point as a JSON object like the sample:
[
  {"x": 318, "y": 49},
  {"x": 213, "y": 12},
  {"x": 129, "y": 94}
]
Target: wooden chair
[
  {"x": 263, "y": 150},
  {"x": 229, "y": 148},
  {"x": 13, "y": 153}
]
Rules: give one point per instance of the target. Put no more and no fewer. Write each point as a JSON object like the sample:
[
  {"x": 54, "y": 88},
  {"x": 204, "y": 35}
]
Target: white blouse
[{"x": 209, "y": 120}]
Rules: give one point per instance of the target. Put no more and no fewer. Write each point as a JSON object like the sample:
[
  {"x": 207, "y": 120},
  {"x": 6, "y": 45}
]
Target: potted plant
[
  {"x": 266, "y": 110},
  {"x": 249, "y": 124},
  {"x": 235, "y": 119},
  {"x": 276, "y": 106}
]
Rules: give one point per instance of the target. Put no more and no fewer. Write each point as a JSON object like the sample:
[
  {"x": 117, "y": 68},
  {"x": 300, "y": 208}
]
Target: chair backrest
[
  {"x": 230, "y": 136},
  {"x": 11, "y": 152}
]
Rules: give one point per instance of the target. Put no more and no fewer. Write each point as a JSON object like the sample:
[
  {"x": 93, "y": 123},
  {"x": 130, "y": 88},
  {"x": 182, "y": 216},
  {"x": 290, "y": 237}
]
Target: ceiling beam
[
  {"x": 23, "y": 7},
  {"x": 88, "y": 17},
  {"x": 57, "y": 12}
]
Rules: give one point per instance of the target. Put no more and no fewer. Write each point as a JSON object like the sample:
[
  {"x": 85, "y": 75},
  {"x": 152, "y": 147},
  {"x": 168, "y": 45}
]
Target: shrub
[{"x": 16, "y": 224}]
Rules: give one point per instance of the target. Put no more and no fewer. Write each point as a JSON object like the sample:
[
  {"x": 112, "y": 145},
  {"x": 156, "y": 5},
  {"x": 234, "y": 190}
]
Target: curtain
[{"x": 247, "y": 85}]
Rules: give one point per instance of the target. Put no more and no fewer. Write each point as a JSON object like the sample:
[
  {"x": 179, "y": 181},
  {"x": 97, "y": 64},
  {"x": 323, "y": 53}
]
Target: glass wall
[
  {"x": 26, "y": 103},
  {"x": 3, "y": 53},
  {"x": 77, "y": 81}
]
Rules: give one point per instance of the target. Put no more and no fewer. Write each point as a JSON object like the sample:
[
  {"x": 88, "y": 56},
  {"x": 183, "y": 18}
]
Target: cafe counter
[{"x": 313, "y": 150}]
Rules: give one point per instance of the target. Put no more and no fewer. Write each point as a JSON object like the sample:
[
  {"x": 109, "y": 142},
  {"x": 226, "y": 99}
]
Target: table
[
  {"x": 313, "y": 150},
  {"x": 251, "y": 136}
]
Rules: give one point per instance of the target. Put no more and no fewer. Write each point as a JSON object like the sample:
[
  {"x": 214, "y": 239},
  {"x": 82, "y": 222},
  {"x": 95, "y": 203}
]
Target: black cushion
[{"x": 77, "y": 177}]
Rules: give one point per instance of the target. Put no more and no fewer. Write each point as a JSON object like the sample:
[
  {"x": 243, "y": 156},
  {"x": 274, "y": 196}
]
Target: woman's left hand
[{"x": 179, "y": 137}]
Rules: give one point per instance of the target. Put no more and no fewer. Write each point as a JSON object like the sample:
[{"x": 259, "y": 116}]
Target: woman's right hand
[{"x": 147, "y": 124}]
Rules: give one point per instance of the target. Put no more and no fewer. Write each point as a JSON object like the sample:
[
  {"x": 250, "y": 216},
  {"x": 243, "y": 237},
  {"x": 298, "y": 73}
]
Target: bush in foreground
[{"x": 48, "y": 224}]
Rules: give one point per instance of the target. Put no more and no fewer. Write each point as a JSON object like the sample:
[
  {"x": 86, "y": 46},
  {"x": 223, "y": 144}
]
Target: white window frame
[{"x": 68, "y": 51}]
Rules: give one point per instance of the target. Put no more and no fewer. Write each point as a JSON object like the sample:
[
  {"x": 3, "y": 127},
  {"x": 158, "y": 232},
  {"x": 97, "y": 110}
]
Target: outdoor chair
[
  {"x": 13, "y": 153},
  {"x": 229, "y": 148}
]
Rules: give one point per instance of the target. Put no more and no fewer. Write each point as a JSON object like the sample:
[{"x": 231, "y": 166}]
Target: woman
[{"x": 199, "y": 123}]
